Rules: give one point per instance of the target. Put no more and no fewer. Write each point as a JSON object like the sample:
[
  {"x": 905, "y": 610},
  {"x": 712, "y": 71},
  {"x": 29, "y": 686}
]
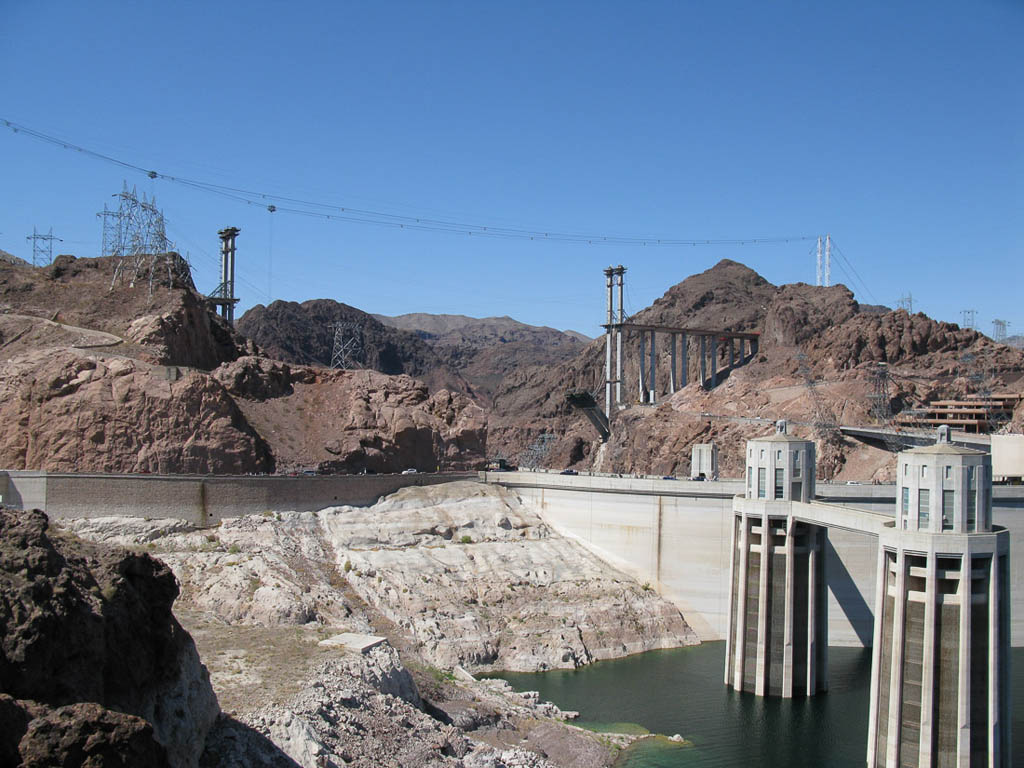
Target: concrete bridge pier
[
  {"x": 703, "y": 360},
  {"x": 777, "y": 641},
  {"x": 714, "y": 362}
]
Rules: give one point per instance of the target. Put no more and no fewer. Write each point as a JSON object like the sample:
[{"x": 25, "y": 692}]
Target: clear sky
[{"x": 895, "y": 126}]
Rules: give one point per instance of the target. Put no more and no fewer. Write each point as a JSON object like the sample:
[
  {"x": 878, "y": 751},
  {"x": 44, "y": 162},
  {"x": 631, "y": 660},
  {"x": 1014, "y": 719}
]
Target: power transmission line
[{"x": 331, "y": 211}]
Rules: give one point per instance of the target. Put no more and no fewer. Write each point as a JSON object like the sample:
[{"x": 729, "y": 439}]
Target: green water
[{"x": 681, "y": 691}]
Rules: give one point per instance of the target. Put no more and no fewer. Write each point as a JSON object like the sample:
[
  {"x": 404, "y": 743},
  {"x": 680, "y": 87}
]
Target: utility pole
[
  {"x": 907, "y": 303},
  {"x": 969, "y": 319},
  {"x": 999, "y": 330},
  {"x": 42, "y": 246}
]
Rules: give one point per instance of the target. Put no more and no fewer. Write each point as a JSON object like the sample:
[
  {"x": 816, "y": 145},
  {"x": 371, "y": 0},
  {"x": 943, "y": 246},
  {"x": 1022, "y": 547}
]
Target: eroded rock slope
[{"x": 463, "y": 571}]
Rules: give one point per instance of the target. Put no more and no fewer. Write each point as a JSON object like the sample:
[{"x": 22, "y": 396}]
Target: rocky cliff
[
  {"x": 354, "y": 421},
  {"x": 72, "y": 411},
  {"x": 94, "y": 668}
]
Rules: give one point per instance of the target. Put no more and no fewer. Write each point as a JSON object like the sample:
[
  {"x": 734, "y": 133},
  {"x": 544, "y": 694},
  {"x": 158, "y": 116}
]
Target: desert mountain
[
  {"x": 303, "y": 334},
  {"x": 110, "y": 372},
  {"x": 485, "y": 350},
  {"x": 808, "y": 333}
]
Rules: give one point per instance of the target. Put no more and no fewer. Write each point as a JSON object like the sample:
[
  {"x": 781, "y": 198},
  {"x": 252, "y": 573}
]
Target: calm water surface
[{"x": 681, "y": 691}]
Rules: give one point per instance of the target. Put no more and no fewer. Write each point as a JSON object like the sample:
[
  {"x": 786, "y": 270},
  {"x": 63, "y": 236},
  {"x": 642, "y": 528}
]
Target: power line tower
[
  {"x": 826, "y": 425},
  {"x": 42, "y": 247},
  {"x": 881, "y": 406},
  {"x": 969, "y": 319},
  {"x": 906, "y": 302},
  {"x": 999, "y": 330},
  {"x": 348, "y": 343},
  {"x": 135, "y": 234}
]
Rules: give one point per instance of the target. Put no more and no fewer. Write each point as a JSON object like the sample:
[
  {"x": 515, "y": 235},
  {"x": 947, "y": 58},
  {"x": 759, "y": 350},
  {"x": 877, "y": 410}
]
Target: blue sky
[{"x": 896, "y": 127}]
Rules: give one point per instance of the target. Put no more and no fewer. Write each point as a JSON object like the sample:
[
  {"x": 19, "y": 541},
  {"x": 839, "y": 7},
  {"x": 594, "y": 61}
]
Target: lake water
[{"x": 682, "y": 691}]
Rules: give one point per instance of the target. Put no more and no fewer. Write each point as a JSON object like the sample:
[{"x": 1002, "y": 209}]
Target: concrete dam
[
  {"x": 780, "y": 568},
  {"x": 675, "y": 534}
]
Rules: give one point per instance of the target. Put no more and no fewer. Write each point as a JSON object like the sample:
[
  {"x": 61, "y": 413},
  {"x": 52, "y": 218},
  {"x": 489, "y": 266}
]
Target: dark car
[{"x": 568, "y": 472}]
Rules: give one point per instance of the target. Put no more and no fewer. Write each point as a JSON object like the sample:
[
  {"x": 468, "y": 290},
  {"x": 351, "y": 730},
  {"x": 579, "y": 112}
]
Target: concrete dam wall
[
  {"x": 202, "y": 500},
  {"x": 676, "y": 534}
]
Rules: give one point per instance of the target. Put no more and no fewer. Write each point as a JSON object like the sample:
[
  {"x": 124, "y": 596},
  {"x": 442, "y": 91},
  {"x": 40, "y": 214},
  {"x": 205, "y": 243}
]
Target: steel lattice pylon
[
  {"x": 135, "y": 234},
  {"x": 348, "y": 343}
]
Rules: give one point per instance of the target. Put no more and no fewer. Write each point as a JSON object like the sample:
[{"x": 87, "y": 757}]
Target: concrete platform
[{"x": 353, "y": 641}]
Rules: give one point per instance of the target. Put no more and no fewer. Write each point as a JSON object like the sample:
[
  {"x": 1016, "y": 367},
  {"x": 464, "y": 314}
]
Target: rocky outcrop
[
  {"x": 899, "y": 337},
  {"x": 187, "y": 333},
  {"x": 86, "y": 734},
  {"x": 76, "y": 412},
  {"x": 302, "y": 334},
  {"x": 93, "y": 665},
  {"x": 354, "y": 421},
  {"x": 165, "y": 321}
]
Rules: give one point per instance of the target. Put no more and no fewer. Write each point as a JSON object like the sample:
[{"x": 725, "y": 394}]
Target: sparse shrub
[
  {"x": 646, "y": 586},
  {"x": 466, "y": 539},
  {"x": 234, "y": 549},
  {"x": 348, "y": 566}
]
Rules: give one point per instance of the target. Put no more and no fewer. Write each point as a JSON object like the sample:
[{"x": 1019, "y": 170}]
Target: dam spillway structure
[
  {"x": 777, "y": 642},
  {"x": 940, "y": 691}
]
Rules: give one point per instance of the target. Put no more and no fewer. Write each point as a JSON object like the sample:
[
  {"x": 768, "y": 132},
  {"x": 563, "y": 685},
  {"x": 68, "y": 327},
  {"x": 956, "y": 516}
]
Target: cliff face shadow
[
  {"x": 844, "y": 589},
  {"x": 233, "y": 744}
]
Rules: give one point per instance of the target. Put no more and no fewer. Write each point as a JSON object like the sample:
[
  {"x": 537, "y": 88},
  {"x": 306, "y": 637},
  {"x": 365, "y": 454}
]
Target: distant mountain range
[{"x": 464, "y": 354}]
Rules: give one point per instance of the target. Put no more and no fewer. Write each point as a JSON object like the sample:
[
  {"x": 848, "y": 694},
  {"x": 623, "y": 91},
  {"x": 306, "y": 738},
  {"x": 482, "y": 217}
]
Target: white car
[{"x": 409, "y": 471}]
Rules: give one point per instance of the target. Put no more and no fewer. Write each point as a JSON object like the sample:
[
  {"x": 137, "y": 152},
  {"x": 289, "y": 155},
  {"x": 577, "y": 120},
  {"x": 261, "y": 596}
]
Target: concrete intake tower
[
  {"x": 778, "y": 615},
  {"x": 940, "y": 685},
  {"x": 940, "y": 693}
]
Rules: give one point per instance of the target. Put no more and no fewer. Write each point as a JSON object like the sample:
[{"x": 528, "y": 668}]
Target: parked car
[
  {"x": 409, "y": 471},
  {"x": 568, "y": 472}
]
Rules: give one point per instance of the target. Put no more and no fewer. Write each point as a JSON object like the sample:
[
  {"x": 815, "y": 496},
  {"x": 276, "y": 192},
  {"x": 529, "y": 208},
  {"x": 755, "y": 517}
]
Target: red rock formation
[
  {"x": 73, "y": 412},
  {"x": 351, "y": 421}
]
